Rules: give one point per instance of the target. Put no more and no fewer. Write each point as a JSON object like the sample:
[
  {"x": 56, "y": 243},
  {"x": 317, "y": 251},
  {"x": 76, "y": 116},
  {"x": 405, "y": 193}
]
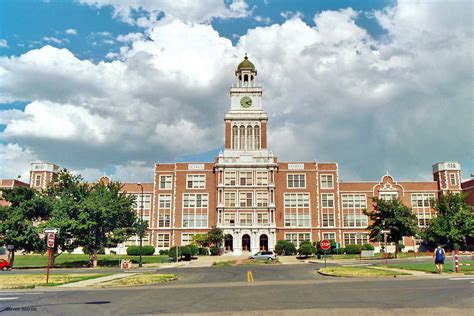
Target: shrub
[
  {"x": 135, "y": 250},
  {"x": 290, "y": 249},
  {"x": 189, "y": 251},
  {"x": 305, "y": 243},
  {"x": 214, "y": 251},
  {"x": 203, "y": 251},
  {"x": 193, "y": 249},
  {"x": 164, "y": 252},
  {"x": 352, "y": 249},
  {"x": 306, "y": 250},
  {"x": 172, "y": 252},
  {"x": 368, "y": 247},
  {"x": 280, "y": 246}
]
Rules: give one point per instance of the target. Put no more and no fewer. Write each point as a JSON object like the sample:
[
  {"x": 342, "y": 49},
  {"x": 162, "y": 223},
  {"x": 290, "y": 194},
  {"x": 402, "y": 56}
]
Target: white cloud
[
  {"x": 290, "y": 15},
  {"x": 71, "y": 31},
  {"x": 15, "y": 161},
  {"x": 188, "y": 11},
  {"x": 332, "y": 92},
  {"x": 3, "y": 43},
  {"x": 52, "y": 39},
  {"x": 266, "y": 20},
  {"x": 130, "y": 37}
]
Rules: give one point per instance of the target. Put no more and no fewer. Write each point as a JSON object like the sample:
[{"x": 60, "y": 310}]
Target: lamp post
[{"x": 141, "y": 225}]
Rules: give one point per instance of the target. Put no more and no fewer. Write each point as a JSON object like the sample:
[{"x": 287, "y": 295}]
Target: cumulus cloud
[
  {"x": 3, "y": 43},
  {"x": 55, "y": 40},
  {"x": 15, "y": 161},
  {"x": 188, "y": 11},
  {"x": 332, "y": 91},
  {"x": 71, "y": 31}
]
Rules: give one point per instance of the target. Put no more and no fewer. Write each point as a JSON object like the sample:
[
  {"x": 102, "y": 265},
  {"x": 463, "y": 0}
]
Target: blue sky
[{"x": 394, "y": 41}]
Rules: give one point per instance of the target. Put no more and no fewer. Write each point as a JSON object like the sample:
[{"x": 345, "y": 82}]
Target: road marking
[
  {"x": 458, "y": 279},
  {"x": 356, "y": 265},
  {"x": 8, "y": 298},
  {"x": 20, "y": 293},
  {"x": 249, "y": 276}
]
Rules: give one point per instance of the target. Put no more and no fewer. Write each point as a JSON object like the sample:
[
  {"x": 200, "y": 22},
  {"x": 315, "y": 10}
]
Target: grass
[
  {"x": 430, "y": 266},
  {"x": 29, "y": 281},
  {"x": 253, "y": 262},
  {"x": 67, "y": 260},
  {"x": 227, "y": 263},
  {"x": 140, "y": 279},
  {"x": 359, "y": 272}
]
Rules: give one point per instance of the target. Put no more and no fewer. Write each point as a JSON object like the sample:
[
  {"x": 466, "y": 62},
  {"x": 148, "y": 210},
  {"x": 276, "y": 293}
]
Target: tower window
[
  {"x": 249, "y": 137},
  {"x": 234, "y": 137},
  {"x": 242, "y": 137},
  {"x": 37, "y": 180},
  {"x": 452, "y": 178},
  {"x": 246, "y": 78},
  {"x": 256, "y": 135}
]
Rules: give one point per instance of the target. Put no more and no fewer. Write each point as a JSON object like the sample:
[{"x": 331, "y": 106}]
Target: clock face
[{"x": 246, "y": 102}]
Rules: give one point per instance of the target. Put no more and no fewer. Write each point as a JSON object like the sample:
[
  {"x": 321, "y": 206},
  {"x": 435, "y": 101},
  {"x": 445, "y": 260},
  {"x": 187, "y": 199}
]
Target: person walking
[{"x": 440, "y": 256}]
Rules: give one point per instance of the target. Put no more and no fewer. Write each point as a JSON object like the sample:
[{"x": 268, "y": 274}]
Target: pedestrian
[{"x": 440, "y": 256}]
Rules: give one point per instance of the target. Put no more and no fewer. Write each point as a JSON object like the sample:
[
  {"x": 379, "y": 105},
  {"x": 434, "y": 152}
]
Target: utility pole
[{"x": 141, "y": 226}]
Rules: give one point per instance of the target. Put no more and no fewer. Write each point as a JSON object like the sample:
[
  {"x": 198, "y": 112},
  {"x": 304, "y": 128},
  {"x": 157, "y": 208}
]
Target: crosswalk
[{"x": 462, "y": 279}]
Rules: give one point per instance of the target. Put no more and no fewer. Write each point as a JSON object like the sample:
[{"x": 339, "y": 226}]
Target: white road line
[
  {"x": 356, "y": 265},
  {"x": 8, "y": 298},
  {"x": 458, "y": 279},
  {"x": 20, "y": 293}
]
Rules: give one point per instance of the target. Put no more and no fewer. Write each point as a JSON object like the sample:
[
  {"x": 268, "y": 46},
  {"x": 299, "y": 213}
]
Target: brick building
[{"x": 258, "y": 200}]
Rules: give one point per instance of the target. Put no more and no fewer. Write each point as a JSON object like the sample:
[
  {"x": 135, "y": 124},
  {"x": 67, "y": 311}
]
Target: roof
[{"x": 246, "y": 64}]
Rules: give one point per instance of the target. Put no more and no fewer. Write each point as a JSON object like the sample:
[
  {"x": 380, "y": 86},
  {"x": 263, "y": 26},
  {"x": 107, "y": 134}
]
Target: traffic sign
[
  {"x": 51, "y": 238},
  {"x": 51, "y": 230},
  {"x": 325, "y": 244}
]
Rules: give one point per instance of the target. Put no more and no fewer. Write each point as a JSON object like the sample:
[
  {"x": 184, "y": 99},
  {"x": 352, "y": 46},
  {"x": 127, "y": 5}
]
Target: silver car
[{"x": 263, "y": 255}]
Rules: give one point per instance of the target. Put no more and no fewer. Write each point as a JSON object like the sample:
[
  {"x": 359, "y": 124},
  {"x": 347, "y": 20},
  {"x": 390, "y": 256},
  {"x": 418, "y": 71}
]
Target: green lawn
[
  {"x": 28, "y": 281},
  {"x": 430, "y": 266},
  {"x": 359, "y": 272},
  {"x": 67, "y": 260}
]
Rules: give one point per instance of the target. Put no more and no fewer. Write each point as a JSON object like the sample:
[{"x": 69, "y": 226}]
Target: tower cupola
[{"x": 246, "y": 73}]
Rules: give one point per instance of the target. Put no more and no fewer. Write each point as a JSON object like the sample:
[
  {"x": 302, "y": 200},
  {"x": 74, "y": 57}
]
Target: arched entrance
[
  {"x": 263, "y": 242},
  {"x": 246, "y": 243},
  {"x": 229, "y": 242}
]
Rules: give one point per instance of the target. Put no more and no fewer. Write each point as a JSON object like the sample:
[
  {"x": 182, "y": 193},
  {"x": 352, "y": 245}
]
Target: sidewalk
[{"x": 90, "y": 282}]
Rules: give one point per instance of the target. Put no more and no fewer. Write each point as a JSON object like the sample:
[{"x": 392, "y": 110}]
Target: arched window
[
  {"x": 256, "y": 135},
  {"x": 249, "y": 137},
  {"x": 242, "y": 137},
  {"x": 235, "y": 130}
]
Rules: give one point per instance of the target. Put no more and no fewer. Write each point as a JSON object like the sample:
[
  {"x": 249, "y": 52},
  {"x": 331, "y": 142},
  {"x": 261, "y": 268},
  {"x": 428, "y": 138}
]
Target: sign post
[
  {"x": 325, "y": 245},
  {"x": 50, "y": 239}
]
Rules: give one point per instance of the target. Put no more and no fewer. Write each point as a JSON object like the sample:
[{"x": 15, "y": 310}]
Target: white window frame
[
  {"x": 230, "y": 178},
  {"x": 167, "y": 183},
  {"x": 245, "y": 218},
  {"x": 162, "y": 241},
  {"x": 164, "y": 210},
  {"x": 356, "y": 238},
  {"x": 329, "y": 236},
  {"x": 292, "y": 203},
  {"x": 197, "y": 181},
  {"x": 295, "y": 181},
  {"x": 298, "y": 237},
  {"x": 194, "y": 202},
  {"x": 325, "y": 182},
  {"x": 230, "y": 199},
  {"x": 352, "y": 210},
  {"x": 248, "y": 181},
  {"x": 38, "y": 180},
  {"x": 261, "y": 178},
  {"x": 452, "y": 179}
]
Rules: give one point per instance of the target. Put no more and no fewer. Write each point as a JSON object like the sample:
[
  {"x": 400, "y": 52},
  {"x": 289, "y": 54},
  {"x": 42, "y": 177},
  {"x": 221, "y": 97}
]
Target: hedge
[
  {"x": 285, "y": 246},
  {"x": 135, "y": 250}
]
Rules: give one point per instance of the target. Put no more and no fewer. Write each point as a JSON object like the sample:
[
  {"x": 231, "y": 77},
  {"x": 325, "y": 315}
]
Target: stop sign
[
  {"x": 325, "y": 244},
  {"x": 51, "y": 240}
]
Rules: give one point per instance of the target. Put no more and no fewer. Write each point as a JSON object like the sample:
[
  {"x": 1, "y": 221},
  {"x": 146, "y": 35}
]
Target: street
[{"x": 276, "y": 288}]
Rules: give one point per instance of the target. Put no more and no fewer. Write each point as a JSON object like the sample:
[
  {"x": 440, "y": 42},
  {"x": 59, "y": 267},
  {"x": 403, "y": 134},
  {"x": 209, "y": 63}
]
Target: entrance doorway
[
  {"x": 263, "y": 242},
  {"x": 245, "y": 242},
  {"x": 229, "y": 242}
]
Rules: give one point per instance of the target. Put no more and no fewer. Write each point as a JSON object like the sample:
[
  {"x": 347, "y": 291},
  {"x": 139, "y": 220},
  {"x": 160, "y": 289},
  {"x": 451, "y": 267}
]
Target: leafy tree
[
  {"x": 18, "y": 222},
  {"x": 105, "y": 218},
  {"x": 391, "y": 215},
  {"x": 201, "y": 240},
  {"x": 306, "y": 249},
  {"x": 215, "y": 236},
  {"x": 453, "y": 223}
]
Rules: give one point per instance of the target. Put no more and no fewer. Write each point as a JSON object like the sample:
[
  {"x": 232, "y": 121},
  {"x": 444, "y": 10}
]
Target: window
[
  {"x": 245, "y": 178},
  {"x": 297, "y": 211},
  {"x": 234, "y": 137},
  {"x": 328, "y": 219},
  {"x": 164, "y": 210},
  {"x": 195, "y": 210},
  {"x": 229, "y": 219},
  {"x": 421, "y": 204},
  {"x": 245, "y": 199},
  {"x": 37, "y": 180},
  {"x": 452, "y": 179},
  {"x": 195, "y": 181},
  {"x": 262, "y": 218},
  {"x": 229, "y": 178},
  {"x": 187, "y": 238},
  {"x": 327, "y": 181},
  {"x": 262, "y": 178},
  {"x": 165, "y": 182},
  {"x": 296, "y": 181},
  {"x": 329, "y": 236},
  {"x": 163, "y": 240},
  {"x": 327, "y": 200},
  {"x": 249, "y": 137},
  {"x": 352, "y": 210},
  {"x": 355, "y": 239},
  {"x": 229, "y": 199},
  {"x": 245, "y": 219},
  {"x": 262, "y": 199},
  {"x": 242, "y": 137},
  {"x": 387, "y": 196},
  {"x": 138, "y": 200},
  {"x": 297, "y": 238},
  {"x": 256, "y": 134}
]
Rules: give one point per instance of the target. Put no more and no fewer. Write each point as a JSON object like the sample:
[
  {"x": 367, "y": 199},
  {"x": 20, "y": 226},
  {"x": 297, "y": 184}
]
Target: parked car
[
  {"x": 263, "y": 255},
  {"x": 4, "y": 265}
]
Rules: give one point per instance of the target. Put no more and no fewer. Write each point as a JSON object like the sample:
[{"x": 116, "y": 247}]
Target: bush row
[{"x": 135, "y": 250}]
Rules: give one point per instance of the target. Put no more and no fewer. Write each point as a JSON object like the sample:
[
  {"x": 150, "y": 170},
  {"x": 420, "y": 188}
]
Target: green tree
[
  {"x": 105, "y": 218},
  {"x": 306, "y": 250},
  {"x": 453, "y": 223},
  {"x": 391, "y": 215},
  {"x": 215, "y": 236},
  {"x": 201, "y": 240},
  {"x": 18, "y": 222}
]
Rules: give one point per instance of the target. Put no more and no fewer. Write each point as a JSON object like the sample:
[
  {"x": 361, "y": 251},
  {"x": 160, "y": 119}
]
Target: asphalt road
[{"x": 283, "y": 289}]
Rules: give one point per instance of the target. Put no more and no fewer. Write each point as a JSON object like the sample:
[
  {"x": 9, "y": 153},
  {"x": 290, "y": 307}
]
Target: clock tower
[{"x": 246, "y": 170}]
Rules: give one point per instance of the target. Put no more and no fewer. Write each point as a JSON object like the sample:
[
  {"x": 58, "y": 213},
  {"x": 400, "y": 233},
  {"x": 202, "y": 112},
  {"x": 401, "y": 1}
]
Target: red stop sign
[
  {"x": 51, "y": 240},
  {"x": 325, "y": 244}
]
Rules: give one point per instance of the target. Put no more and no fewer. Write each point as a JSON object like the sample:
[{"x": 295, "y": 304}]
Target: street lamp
[{"x": 141, "y": 225}]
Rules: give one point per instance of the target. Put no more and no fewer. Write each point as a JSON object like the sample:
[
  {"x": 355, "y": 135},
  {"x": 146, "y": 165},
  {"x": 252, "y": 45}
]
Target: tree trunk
[
  {"x": 396, "y": 249},
  {"x": 11, "y": 257},
  {"x": 93, "y": 259},
  {"x": 53, "y": 258}
]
